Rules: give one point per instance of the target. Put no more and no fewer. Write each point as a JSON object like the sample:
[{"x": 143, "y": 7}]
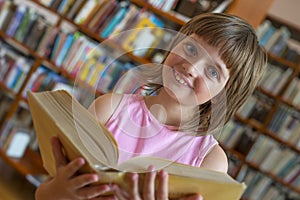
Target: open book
[{"x": 57, "y": 113}]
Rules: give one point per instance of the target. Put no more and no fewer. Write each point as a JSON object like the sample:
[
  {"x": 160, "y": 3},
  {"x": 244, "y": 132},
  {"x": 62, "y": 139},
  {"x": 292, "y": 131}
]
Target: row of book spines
[
  {"x": 85, "y": 69},
  {"x": 14, "y": 70},
  {"x": 256, "y": 149},
  {"x": 44, "y": 38},
  {"x": 24, "y": 24},
  {"x": 103, "y": 17},
  {"x": 56, "y": 45},
  {"x": 280, "y": 161},
  {"x": 87, "y": 61},
  {"x": 275, "y": 40},
  {"x": 237, "y": 136},
  {"x": 257, "y": 107},
  {"x": 275, "y": 78},
  {"x": 286, "y": 124},
  {"x": 287, "y": 131},
  {"x": 83, "y": 10},
  {"x": 263, "y": 187},
  {"x": 282, "y": 79}
]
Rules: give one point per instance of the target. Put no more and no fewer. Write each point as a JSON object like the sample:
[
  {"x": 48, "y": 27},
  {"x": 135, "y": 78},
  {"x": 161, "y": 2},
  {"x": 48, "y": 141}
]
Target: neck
[{"x": 168, "y": 110}]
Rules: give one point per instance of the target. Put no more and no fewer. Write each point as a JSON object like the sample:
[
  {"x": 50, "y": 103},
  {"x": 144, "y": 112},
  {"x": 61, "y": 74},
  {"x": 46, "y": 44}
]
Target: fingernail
[
  {"x": 151, "y": 168},
  {"x": 81, "y": 161},
  {"x": 95, "y": 177},
  {"x": 134, "y": 176},
  {"x": 163, "y": 173}
]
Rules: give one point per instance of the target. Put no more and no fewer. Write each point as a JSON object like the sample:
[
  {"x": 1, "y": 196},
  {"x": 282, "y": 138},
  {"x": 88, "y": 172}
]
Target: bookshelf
[
  {"x": 270, "y": 120},
  {"x": 30, "y": 162}
]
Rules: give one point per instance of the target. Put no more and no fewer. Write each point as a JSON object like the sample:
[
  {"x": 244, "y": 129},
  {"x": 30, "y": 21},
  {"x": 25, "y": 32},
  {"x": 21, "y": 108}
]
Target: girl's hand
[
  {"x": 148, "y": 191},
  {"x": 67, "y": 184}
]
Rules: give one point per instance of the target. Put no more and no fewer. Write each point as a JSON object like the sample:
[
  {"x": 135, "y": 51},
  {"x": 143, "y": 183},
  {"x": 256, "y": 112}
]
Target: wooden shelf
[
  {"x": 253, "y": 11},
  {"x": 30, "y": 163}
]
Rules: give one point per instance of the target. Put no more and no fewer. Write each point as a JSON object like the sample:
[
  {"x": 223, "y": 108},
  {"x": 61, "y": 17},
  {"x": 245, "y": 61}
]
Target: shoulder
[
  {"x": 105, "y": 105},
  {"x": 216, "y": 160}
]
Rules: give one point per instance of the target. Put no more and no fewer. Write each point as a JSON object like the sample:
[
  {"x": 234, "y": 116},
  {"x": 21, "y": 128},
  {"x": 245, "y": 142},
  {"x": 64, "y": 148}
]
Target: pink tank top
[{"x": 139, "y": 133}]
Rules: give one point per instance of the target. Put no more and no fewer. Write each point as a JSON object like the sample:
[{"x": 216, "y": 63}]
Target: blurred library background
[{"x": 47, "y": 45}]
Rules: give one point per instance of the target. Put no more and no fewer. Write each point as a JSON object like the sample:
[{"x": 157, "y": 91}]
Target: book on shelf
[
  {"x": 24, "y": 34},
  {"x": 7, "y": 12},
  {"x": 105, "y": 11},
  {"x": 60, "y": 39},
  {"x": 128, "y": 21},
  {"x": 17, "y": 74},
  {"x": 67, "y": 44},
  {"x": 267, "y": 35},
  {"x": 64, "y": 117},
  {"x": 23, "y": 25},
  {"x": 85, "y": 11},
  {"x": 262, "y": 29},
  {"x": 16, "y": 20},
  {"x": 65, "y": 6},
  {"x": 281, "y": 42},
  {"x": 46, "y": 43},
  {"x": 93, "y": 14},
  {"x": 46, "y": 2},
  {"x": 55, "y": 4},
  {"x": 35, "y": 35},
  {"x": 145, "y": 35},
  {"x": 7, "y": 61},
  {"x": 117, "y": 17},
  {"x": 75, "y": 9}
]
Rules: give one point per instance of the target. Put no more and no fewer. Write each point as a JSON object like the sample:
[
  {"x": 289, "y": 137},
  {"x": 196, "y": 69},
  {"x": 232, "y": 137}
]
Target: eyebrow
[{"x": 216, "y": 64}]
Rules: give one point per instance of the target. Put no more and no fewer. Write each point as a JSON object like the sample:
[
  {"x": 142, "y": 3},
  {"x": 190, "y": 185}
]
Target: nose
[{"x": 190, "y": 70}]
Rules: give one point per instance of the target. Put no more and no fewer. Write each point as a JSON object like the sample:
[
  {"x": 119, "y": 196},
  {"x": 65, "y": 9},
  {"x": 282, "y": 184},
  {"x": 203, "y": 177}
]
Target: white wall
[{"x": 286, "y": 10}]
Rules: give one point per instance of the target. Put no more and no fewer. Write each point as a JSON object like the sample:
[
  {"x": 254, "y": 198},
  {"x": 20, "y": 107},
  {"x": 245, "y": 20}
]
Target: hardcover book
[{"x": 57, "y": 113}]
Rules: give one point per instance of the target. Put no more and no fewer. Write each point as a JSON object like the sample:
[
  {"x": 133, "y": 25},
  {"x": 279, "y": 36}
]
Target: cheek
[{"x": 205, "y": 90}]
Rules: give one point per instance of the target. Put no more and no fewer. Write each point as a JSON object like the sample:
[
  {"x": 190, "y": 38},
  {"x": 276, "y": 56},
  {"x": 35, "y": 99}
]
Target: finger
[
  {"x": 119, "y": 193},
  {"x": 92, "y": 192},
  {"x": 162, "y": 186},
  {"x": 134, "y": 186},
  {"x": 149, "y": 184},
  {"x": 193, "y": 197},
  {"x": 112, "y": 197},
  {"x": 73, "y": 167},
  {"x": 84, "y": 180},
  {"x": 60, "y": 159}
]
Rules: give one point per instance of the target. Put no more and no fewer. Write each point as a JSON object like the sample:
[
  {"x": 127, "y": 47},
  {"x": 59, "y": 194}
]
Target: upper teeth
[{"x": 179, "y": 79}]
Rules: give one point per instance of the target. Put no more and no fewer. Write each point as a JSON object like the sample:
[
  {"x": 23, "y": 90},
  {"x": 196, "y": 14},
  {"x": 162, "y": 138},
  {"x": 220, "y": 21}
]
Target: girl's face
[{"x": 193, "y": 72}]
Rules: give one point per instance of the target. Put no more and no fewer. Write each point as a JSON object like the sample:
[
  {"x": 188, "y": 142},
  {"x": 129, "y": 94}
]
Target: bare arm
[
  {"x": 216, "y": 160},
  {"x": 104, "y": 106}
]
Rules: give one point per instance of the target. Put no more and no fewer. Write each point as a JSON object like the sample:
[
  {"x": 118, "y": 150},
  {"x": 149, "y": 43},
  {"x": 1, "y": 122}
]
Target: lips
[{"x": 182, "y": 79}]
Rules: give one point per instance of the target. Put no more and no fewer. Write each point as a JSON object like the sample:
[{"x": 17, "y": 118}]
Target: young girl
[{"x": 205, "y": 78}]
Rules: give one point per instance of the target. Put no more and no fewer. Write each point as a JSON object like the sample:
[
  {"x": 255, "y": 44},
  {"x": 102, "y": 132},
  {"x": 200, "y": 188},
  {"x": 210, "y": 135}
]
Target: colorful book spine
[
  {"x": 122, "y": 10},
  {"x": 22, "y": 28},
  {"x": 66, "y": 48},
  {"x": 16, "y": 21}
]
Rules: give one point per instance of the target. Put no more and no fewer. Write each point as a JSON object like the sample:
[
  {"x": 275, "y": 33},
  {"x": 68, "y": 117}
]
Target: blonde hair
[{"x": 244, "y": 57}]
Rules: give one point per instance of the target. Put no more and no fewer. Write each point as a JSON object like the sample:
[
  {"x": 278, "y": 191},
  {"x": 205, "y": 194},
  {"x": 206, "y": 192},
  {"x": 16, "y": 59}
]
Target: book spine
[
  {"x": 65, "y": 49},
  {"x": 16, "y": 21},
  {"x": 115, "y": 20}
]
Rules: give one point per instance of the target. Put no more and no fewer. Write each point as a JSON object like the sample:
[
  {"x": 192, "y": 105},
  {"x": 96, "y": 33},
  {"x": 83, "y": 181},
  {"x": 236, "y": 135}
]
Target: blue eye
[
  {"x": 212, "y": 72},
  {"x": 190, "y": 49}
]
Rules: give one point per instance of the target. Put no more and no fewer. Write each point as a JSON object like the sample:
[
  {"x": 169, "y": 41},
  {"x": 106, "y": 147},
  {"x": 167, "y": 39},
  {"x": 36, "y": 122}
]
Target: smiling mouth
[{"x": 179, "y": 79}]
